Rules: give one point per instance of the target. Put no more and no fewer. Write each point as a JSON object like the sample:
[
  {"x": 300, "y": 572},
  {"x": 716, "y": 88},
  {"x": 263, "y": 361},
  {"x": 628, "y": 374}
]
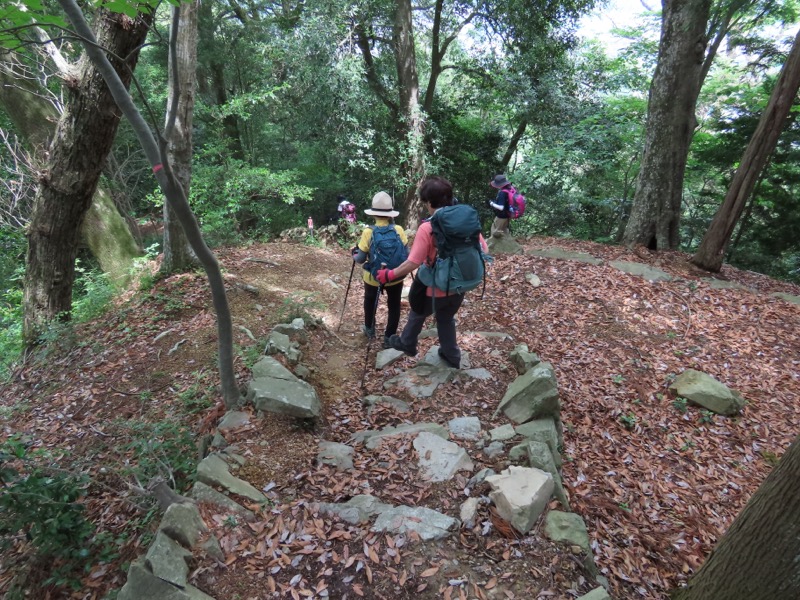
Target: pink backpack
[
  {"x": 516, "y": 203},
  {"x": 350, "y": 213}
]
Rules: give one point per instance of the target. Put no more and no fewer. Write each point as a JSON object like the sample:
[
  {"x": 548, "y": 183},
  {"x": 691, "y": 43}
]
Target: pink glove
[{"x": 384, "y": 276}]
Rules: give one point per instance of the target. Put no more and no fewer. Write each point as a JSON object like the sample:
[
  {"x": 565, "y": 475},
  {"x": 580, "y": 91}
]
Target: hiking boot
[
  {"x": 447, "y": 361},
  {"x": 397, "y": 344},
  {"x": 369, "y": 332},
  {"x": 386, "y": 344}
]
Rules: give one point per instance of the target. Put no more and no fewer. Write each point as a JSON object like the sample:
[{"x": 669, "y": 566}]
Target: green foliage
[
  {"x": 197, "y": 397},
  {"x": 232, "y": 200},
  {"x": 300, "y": 305},
  {"x": 680, "y": 404},
  {"x": 44, "y": 504},
  {"x": 11, "y": 321},
  {"x": 165, "y": 449},
  {"x": 628, "y": 421}
]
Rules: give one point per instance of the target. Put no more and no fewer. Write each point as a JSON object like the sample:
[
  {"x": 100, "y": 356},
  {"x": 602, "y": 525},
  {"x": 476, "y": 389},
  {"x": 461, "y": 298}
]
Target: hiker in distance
[
  {"x": 382, "y": 244},
  {"x": 500, "y": 205},
  {"x": 346, "y": 209},
  {"x": 431, "y": 292}
]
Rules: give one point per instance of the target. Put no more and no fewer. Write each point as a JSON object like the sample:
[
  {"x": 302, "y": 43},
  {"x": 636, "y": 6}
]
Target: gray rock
[
  {"x": 335, "y": 454},
  {"x": 278, "y": 343},
  {"x": 542, "y": 430},
  {"x": 532, "y": 395},
  {"x": 494, "y": 449},
  {"x": 270, "y": 368},
  {"x": 427, "y": 523},
  {"x": 295, "y": 398},
  {"x": 479, "y": 373},
  {"x": 705, "y": 391},
  {"x": 295, "y": 331},
  {"x": 302, "y": 371},
  {"x": 480, "y": 477},
  {"x": 204, "y": 493},
  {"x": 233, "y": 419},
  {"x": 440, "y": 460},
  {"x": 143, "y": 585},
  {"x": 644, "y": 271},
  {"x": 399, "y": 405},
  {"x": 213, "y": 470},
  {"x": 384, "y": 358},
  {"x": 372, "y": 438},
  {"x": 565, "y": 255},
  {"x": 356, "y": 510},
  {"x": 523, "y": 360},
  {"x": 422, "y": 380},
  {"x": 168, "y": 560},
  {"x": 521, "y": 495},
  {"x": 432, "y": 358},
  {"x": 212, "y": 548},
  {"x": 540, "y": 457},
  {"x": 502, "y": 433},
  {"x": 567, "y": 527},
  {"x": 533, "y": 279},
  {"x": 504, "y": 244},
  {"x": 596, "y": 594},
  {"x": 721, "y": 284},
  {"x": 183, "y": 523},
  {"x": 787, "y": 297},
  {"x": 465, "y": 428},
  {"x": 492, "y": 335},
  {"x": 468, "y": 512}
]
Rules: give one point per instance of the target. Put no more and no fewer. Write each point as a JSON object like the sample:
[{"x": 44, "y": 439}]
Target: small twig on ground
[{"x": 262, "y": 260}]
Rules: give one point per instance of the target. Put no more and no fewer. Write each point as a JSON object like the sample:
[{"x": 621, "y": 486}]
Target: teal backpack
[{"x": 460, "y": 264}]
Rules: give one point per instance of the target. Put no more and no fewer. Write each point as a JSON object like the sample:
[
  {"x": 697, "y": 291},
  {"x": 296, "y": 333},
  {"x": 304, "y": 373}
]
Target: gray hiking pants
[{"x": 446, "y": 309}]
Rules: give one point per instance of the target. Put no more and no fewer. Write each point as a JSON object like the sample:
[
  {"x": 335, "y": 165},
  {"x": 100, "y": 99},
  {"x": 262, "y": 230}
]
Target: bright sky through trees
[{"x": 614, "y": 14}]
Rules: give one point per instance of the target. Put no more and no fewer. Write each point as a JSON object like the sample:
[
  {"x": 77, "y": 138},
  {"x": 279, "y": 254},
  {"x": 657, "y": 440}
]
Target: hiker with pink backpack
[{"x": 509, "y": 204}]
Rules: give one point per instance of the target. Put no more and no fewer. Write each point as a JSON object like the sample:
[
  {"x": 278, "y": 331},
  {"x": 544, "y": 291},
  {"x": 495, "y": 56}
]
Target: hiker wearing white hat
[{"x": 381, "y": 244}]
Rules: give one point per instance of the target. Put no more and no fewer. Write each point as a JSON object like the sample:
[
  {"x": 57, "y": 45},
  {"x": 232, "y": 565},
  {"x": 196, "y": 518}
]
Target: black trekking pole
[
  {"x": 347, "y": 291},
  {"x": 374, "y": 329}
]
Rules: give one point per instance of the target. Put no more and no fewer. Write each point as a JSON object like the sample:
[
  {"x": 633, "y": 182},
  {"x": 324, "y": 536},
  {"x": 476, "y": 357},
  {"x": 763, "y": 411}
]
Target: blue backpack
[
  {"x": 460, "y": 261},
  {"x": 386, "y": 250}
]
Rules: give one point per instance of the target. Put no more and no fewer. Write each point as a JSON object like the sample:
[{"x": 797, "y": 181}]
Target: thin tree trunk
[
  {"x": 655, "y": 214},
  {"x": 512, "y": 145},
  {"x": 178, "y": 255},
  {"x": 757, "y": 558},
  {"x": 105, "y": 231},
  {"x": 712, "y": 249},
  {"x": 79, "y": 148}
]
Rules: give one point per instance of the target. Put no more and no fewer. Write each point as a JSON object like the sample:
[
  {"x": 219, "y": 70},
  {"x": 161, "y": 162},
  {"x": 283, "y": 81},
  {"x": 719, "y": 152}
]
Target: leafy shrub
[
  {"x": 44, "y": 504},
  {"x": 163, "y": 450}
]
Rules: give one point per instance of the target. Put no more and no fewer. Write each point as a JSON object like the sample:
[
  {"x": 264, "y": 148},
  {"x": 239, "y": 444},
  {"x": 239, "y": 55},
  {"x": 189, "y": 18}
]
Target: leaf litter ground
[{"x": 656, "y": 482}]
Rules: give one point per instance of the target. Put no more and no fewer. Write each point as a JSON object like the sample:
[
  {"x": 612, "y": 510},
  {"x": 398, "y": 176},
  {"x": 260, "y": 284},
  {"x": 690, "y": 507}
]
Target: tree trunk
[
  {"x": 512, "y": 145},
  {"x": 408, "y": 84},
  {"x": 655, "y": 213},
  {"x": 79, "y": 148},
  {"x": 758, "y": 556},
  {"x": 712, "y": 249},
  {"x": 159, "y": 161},
  {"x": 178, "y": 255},
  {"x": 105, "y": 231}
]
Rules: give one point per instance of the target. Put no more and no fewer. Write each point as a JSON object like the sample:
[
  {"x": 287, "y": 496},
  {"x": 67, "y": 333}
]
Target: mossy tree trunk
[{"x": 77, "y": 153}]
